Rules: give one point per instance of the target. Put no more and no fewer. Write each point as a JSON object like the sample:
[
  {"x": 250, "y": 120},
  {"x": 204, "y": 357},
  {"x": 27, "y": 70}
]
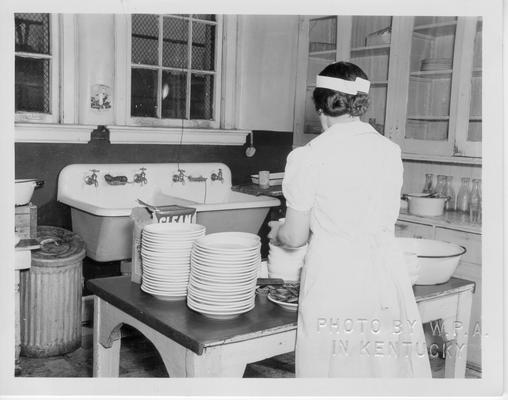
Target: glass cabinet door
[
  {"x": 429, "y": 98},
  {"x": 470, "y": 144},
  {"x": 322, "y": 51},
  {"x": 362, "y": 40},
  {"x": 474, "y": 133},
  {"x": 369, "y": 48}
]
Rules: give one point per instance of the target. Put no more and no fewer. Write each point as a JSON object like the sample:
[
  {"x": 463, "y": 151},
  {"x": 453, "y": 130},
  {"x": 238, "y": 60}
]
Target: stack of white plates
[
  {"x": 224, "y": 271},
  {"x": 436, "y": 64},
  {"x": 165, "y": 256}
]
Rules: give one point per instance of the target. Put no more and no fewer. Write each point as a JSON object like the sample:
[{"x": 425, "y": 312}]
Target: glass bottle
[
  {"x": 450, "y": 193},
  {"x": 429, "y": 185},
  {"x": 441, "y": 184},
  {"x": 463, "y": 196},
  {"x": 475, "y": 204}
]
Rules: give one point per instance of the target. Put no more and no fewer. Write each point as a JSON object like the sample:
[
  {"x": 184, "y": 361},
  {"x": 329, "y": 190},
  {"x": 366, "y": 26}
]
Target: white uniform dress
[{"x": 357, "y": 313}]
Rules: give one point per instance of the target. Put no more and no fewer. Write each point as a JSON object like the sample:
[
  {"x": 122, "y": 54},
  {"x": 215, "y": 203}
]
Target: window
[
  {"x": 36, "y": 68},
  {"x": 174, "y": 70}
]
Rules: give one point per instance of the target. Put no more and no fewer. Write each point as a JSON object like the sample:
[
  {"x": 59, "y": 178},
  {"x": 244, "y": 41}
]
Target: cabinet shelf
[
  {"x": 460, "y": 160},
  {"x": 437, "y": 74},
  {"x": 321, "y": 52},
  {"x": 475, "y": 118},
  {"x": 437, "y": 29},
  {"x": 429, "y": 117},
  {"x": 371, "y": 49}
]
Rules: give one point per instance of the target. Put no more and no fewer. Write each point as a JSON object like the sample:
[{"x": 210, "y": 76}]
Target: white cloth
[{"x": 357, "y": 313}]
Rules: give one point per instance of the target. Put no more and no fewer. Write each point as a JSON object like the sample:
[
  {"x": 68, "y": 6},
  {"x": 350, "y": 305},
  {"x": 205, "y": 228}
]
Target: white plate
[
  {"x": 229, "y": 241},
  {"x": 224, "y": 306},
  {"x": 225, "y": 270},
  {"x": 233, "y": 289},
  {"x": 221, "y": 309},
  {"x": 223, "y": 274},
  {"x": 282, "y": 304},
  {"x": 220, "y": 316},
  {"x": 150, "y": 290},
  {"x": 216, "y": 259},
  {"x": 224, "y": 282},
  {"x": 198, "y": 293},
  {"x": 174, "y": 228}
]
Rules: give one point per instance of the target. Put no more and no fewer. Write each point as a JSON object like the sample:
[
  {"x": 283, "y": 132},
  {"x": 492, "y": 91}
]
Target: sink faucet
[
  {"x": 180, "y": 177},
  {"x": 218, "y": 176},
  {"x": 92, "y": 179},
  {"x": 141, "y": 177}
]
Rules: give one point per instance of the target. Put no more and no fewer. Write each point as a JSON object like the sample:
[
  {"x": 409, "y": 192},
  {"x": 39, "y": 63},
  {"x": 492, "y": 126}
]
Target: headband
[{"x": 341, "y": 85}]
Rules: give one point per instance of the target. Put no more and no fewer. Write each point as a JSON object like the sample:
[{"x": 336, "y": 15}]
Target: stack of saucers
[
  {"x": 165, "y": 256},
  {"x": 224, "y": 270}
]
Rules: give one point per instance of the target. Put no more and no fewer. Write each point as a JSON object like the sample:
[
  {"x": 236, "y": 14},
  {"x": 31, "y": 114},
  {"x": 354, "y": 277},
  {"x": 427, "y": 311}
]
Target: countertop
[
  {"x": 450, "y": 219},
  {"x": 256, "y": 190}
]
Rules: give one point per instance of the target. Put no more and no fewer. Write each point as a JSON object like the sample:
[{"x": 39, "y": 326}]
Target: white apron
[{"x": 357, "y": 314}]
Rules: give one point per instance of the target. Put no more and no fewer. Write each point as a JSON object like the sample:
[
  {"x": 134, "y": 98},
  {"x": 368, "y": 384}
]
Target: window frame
[
  {"x": 54, "y": 86},
  {"x": 215, "y": 123}
]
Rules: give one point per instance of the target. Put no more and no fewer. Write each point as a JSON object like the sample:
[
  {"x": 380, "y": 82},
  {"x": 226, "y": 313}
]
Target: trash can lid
[{"x": 59, "y": 247}]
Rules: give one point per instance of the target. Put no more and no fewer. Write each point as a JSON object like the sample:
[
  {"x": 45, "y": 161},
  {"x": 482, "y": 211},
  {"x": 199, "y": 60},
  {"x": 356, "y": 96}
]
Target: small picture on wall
[{"x": 101, "y": 99}]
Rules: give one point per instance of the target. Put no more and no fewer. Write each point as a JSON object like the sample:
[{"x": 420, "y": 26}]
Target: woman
[{"x": 357, "y": 313}]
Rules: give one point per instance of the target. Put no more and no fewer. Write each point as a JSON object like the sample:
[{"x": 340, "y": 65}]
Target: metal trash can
[{"x": 51, "y": 295}]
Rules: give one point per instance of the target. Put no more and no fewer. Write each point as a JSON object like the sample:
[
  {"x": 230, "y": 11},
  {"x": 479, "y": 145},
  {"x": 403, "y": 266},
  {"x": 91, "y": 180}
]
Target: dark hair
[{"x": 334, "y": 103}]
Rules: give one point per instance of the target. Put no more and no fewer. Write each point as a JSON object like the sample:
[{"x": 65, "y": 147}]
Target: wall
[
  {"x": 45, "y": 161},
  {"x": 267, "y": 69},
  {"x": 266, "y": 52}
]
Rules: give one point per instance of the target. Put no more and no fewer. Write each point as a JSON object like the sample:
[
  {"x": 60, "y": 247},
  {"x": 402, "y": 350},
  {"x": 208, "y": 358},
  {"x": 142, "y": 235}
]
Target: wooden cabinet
[
  {"x": 470, "y": 267},
  {"x": 425, "y": 75}
]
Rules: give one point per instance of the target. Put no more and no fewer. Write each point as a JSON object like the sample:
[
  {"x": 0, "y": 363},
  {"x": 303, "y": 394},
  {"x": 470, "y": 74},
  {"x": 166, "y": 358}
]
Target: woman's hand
[{"x": 274, "y": 230}]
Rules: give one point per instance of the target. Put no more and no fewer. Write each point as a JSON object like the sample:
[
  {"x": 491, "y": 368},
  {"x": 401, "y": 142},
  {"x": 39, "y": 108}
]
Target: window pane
[
  {"x": 174, "y": 86},
  {"x": 208, "y": 17},
  {"x": 145, "y": 39},
  {"x": 143, "y": 93},
  {"x": 203, "y": 46},
  {"x": 176, "y": 37},
  {"x": 32, "y": 85},
  {"x": 201, "y": 104},
  {"x": 32, "y": 33}
]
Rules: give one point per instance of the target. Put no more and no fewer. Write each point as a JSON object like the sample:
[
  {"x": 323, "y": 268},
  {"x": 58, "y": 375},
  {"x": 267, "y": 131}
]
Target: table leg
[
  {"x": 213, "y": 363},
  {"x": 457, "y": 331},
  {"x": 106, "y": 341}
]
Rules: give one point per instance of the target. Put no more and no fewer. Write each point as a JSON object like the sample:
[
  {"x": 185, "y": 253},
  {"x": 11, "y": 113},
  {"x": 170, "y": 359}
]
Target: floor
[{"x": 138, "y": 358}]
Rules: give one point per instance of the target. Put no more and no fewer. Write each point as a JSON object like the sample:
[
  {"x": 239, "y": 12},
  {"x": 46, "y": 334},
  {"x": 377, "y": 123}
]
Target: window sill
[
  {"x": 80, "y": 134},
  {"x": 144, "y": 135}
]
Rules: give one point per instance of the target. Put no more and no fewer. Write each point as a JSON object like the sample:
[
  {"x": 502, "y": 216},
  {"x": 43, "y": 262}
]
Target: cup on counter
[
  {"x": 286, "y": 263},
  {"x": 264, "y": 179}
]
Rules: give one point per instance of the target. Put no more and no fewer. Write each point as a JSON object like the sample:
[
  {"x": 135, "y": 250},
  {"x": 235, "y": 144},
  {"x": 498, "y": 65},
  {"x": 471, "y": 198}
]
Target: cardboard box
[{"x": 26, "y": 221}]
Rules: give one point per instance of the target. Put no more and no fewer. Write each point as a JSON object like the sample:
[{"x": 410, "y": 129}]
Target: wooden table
[{"x": 192, "y": 345}]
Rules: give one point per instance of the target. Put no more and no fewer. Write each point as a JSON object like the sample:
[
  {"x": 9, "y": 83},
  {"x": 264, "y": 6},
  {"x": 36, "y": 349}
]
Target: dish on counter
[
  {"x": 285, "y": 296},
  {"x": 275, "y": 178}
]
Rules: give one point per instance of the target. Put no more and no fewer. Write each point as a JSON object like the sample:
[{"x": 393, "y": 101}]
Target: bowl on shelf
[
  {"x": 436, "y": 259},
  {"x": 425, "y": 205}
]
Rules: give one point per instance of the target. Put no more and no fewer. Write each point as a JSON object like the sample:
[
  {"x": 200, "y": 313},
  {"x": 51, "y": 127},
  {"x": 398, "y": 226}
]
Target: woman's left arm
[{"x": 294, "y": 232}]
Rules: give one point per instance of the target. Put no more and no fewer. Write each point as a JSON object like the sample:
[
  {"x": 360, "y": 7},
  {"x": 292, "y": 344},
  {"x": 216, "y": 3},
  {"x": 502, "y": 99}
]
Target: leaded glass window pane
[
  {"x": 32, "y": 83},
  {"x": 203, "y": 46},
  {"x": 32, "y": 33},
  {"x": 174, "y": 88},
  {"x": 201, "y": 106},
  {"x": 175, "y": 42},
  {"x": 145, "y": 39},
  {"x": 143, "y": 92}
]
